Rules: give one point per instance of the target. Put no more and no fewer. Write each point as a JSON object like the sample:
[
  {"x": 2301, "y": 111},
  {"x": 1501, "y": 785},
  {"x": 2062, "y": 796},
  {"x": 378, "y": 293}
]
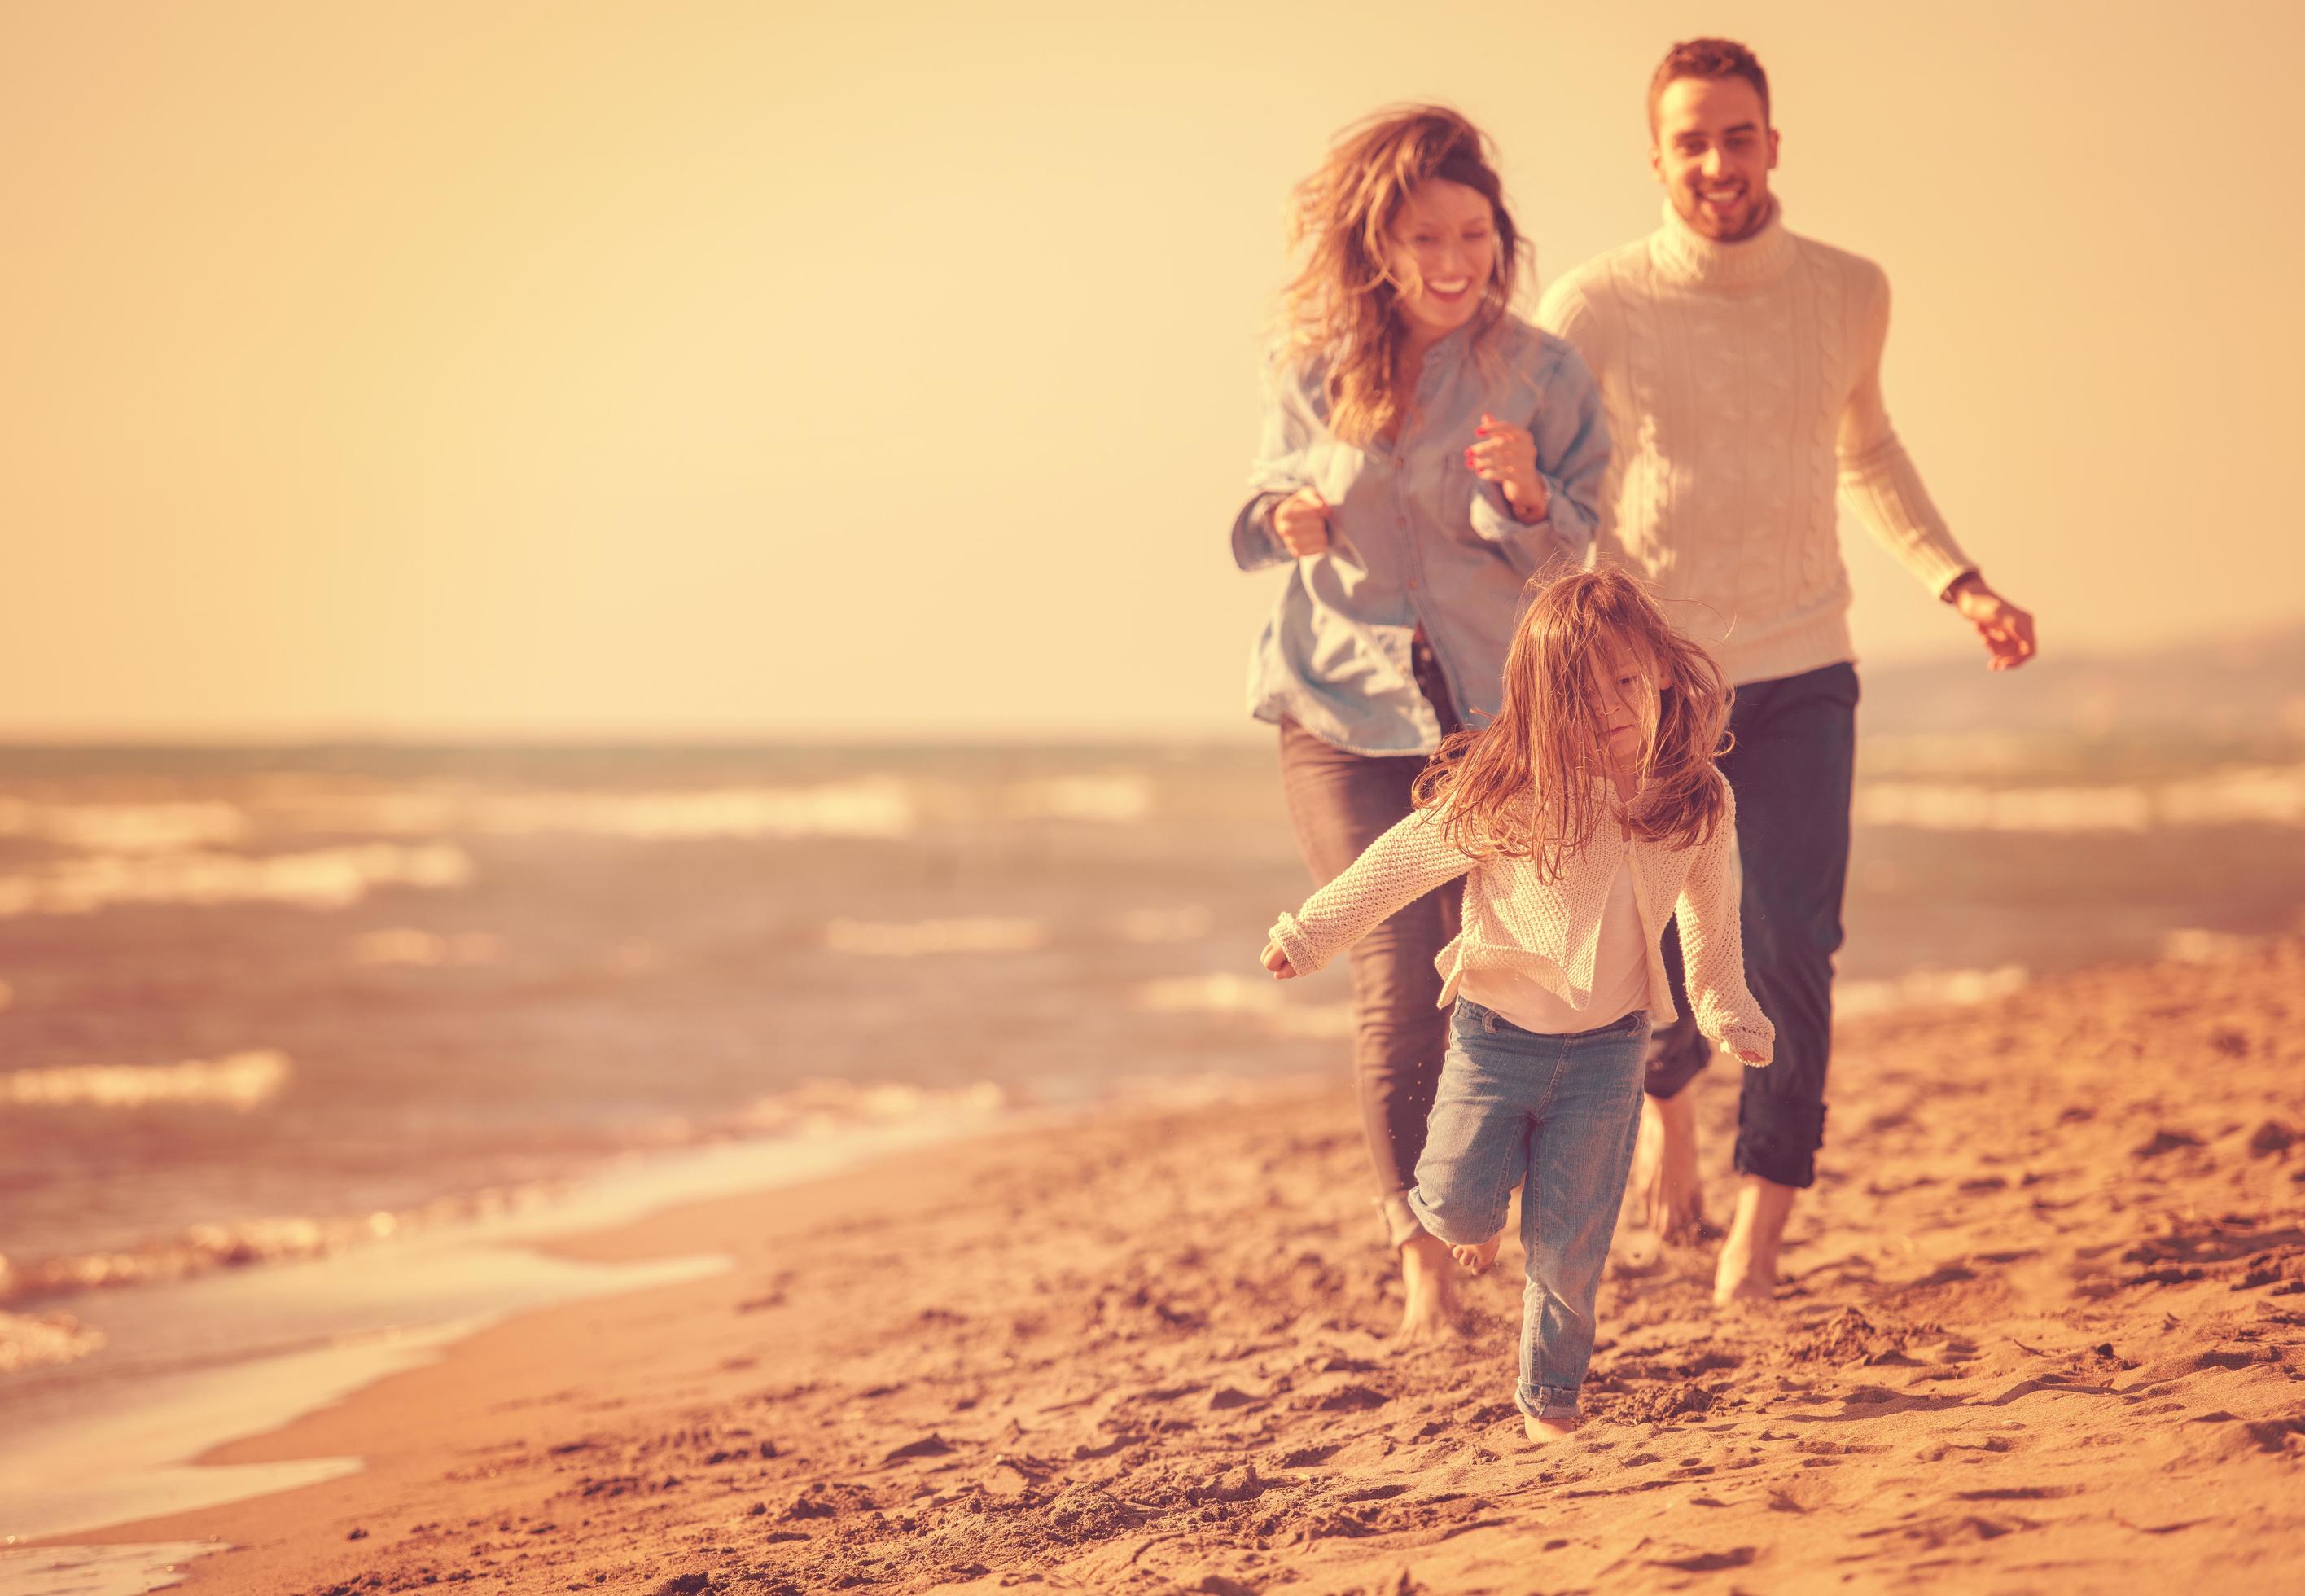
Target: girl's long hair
[
  {"x": 1533, "y": 782},
  {"x": 1340, "y": 309}
]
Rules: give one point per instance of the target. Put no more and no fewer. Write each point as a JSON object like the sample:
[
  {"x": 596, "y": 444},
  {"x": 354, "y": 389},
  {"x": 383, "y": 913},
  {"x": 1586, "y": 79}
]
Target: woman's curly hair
[{"x": 1340, "y": 308}]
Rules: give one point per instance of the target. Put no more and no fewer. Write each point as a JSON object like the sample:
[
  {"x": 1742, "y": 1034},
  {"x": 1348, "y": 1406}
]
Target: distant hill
[{"x": 2248, "y": 688}]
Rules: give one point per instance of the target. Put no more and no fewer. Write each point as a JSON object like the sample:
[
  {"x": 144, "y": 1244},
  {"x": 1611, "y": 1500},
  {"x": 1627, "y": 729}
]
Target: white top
[
  {"x": 1742, "y": 383},
  {"x": 1621, "y": 973},
  {"x": 1550, "y": 933}
]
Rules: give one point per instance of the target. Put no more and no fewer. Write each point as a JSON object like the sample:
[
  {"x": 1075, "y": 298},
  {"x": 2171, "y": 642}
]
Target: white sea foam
[
  {"x": 406, "y": 946},
  {"x": 1926, "y": 989},
  {"x": 124, "y": 828},
  {"x": 320, "y": 878},
  {"x": 823, "y": 1107},
  {"x": 910, "y": 940},
  {"x": 2247, "y": 795},
  {"x": 243, "y": 1080},
  {"x": 2193, "y": 944},
  {"x": 34, "y": 1341},
  {"x": 1259, "y": 1000},
  {"x": 866, "y": 808},
  {"x": 1116, "y": 797},
  {"x": 1166, "y": 924}
]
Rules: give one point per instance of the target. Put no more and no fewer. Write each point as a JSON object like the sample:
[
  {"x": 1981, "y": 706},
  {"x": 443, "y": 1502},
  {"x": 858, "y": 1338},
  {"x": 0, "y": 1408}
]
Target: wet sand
[{"x": 2044, "y": 1328}]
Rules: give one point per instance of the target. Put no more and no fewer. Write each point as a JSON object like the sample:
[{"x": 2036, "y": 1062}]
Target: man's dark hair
[{"x": 1711, "y": 59}]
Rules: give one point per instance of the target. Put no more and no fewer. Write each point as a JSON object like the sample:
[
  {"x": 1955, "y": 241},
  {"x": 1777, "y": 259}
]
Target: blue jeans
[{"x": 1555, "y": 1115}]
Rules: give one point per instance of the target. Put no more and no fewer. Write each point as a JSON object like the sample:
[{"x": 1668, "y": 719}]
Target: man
[{"x": 1739, "y": 365}]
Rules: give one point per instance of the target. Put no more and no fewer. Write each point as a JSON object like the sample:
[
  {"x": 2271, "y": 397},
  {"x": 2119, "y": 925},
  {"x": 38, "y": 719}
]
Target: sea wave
[
  {"x": 1926, "y": 989},
  {"x": 812, "y": 1110},
  {"x": 320, "y": 878},
  {"x": 403, "y": 945},
  {"x": 35, "y": 1341},
  {"x": 125, "y": 828},
  {"x": 243, "y": 1080},
  {"x": 1257, "y": 1001},
  {"x": 866, "y": 808},
  {"x": 910, "y": 940},
  {"x": 2252, "y": 795},
  {"x": 1114, "y": 798},
  {"x": 1166, "y": 924}
]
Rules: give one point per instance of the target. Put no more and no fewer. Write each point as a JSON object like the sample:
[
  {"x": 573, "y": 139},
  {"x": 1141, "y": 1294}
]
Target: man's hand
[
  {"x": 1276, "y": 960},
  {"x": 1301, "y": 523},
  {"x": 2007, "y": 630},
  {"x": 1506, "y": 455}
]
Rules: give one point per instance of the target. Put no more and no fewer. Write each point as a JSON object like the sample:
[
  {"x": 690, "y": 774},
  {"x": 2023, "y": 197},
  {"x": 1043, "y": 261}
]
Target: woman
[{"x": 1425, "y": 451}]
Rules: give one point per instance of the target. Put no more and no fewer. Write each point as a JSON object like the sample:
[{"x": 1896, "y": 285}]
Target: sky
[{"x": 764, "y": 370}]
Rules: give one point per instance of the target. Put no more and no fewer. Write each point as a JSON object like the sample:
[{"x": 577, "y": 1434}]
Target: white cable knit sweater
[
  {"x": 1742, "y": 383},
  {"x": 1551, "y": 935}
]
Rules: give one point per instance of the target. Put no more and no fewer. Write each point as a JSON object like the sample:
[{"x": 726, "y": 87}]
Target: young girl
[{"x": 1585, "y": 813}]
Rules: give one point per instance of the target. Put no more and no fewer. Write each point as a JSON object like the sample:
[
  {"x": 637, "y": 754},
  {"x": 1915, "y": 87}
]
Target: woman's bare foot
[
  {"x": 1542, "y": 1430},
  {"x": 1747, "y": 1270},
  {"x": 1476, "y": 1259},
  {"x": 1428, "y": 1276},
  {"x": 1665, "y": 1180}
]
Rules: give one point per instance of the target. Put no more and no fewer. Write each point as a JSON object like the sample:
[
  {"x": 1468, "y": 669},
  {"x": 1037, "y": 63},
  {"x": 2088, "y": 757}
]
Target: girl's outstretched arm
[
  {"x": 1712, "y": 946},
  {"x": 1397, "y": 868}
]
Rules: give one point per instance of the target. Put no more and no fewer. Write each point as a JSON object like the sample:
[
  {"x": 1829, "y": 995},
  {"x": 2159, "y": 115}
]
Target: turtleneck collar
[{"x": 1688, "y": 256}]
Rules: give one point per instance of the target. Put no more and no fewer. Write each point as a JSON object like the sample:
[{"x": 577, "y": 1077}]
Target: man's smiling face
[{"x": 1713, "y": 152}]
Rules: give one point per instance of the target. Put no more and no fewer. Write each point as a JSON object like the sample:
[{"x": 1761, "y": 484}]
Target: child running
[{"x": 1584, "y": 813}]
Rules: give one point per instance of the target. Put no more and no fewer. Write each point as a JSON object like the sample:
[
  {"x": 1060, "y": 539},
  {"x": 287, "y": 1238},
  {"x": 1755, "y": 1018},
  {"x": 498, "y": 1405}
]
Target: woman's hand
[
  {"x": 1506, "y": 455},
  {"x": 1276, "y": 960},
  {"x": 1301, "y": 523}
]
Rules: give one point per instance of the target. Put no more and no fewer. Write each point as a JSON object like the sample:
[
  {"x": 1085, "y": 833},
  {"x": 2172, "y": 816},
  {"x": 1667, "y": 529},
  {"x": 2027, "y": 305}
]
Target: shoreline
[{"x": 1142, "y": 1353}]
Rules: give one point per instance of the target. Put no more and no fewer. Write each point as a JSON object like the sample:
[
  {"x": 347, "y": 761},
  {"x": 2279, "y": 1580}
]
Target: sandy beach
[{"x": 2042, "y": 1329}]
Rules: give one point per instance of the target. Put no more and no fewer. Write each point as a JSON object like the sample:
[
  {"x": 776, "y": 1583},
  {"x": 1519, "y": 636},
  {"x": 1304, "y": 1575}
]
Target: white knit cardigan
[{"x": 1551, "y": 933}]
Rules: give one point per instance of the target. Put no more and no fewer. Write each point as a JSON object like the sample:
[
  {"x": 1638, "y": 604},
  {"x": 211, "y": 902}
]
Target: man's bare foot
[
  {"x": 1428, "y": 1276},
  {"x": 1542, "y": 1430},
  {"x": 1747, "y": 1270},
  {"x": 1665, "y": 1181},
  {"x": 1478, "y": 1258}
]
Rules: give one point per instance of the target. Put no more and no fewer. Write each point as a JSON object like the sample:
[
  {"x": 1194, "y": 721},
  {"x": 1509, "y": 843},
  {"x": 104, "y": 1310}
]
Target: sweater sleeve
[
  {"x": 1712, "y": 944},
  {"x": 1878, "y": 480},
  {"x": 1397, "y": 868}
]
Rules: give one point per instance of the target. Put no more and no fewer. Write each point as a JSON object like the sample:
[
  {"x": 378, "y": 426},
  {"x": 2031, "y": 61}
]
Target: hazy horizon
[{"x": 585, "y": 371}]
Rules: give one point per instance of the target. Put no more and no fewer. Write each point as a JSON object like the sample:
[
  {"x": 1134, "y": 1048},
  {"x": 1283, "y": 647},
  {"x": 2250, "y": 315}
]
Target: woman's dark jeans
[
  {"x": 1795, "y": 755},
  {"x": 1339, "y": 804}
]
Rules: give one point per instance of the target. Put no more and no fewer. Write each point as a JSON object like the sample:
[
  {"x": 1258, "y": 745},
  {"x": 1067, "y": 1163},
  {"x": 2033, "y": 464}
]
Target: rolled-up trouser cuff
[
  {"x": 1780, "y": 1141},
  {"x": 1399, "y": 1219},
  {"x": 1547, "y": 1402}
]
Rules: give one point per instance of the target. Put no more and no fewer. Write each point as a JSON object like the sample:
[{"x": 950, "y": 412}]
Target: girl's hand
[
  {"x": 1276, "y": 960},
  {"x": 1301, "y": 523},
  {"x": 1506, "y": 455}
]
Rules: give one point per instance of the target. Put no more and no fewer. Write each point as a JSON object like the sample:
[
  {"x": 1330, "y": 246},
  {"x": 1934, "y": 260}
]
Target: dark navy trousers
[{"x": 1791, "y": 767}]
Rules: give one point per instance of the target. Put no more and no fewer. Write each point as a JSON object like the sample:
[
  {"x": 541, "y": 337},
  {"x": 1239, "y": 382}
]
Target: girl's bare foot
[
  {"x": 1665, "y": 1166},
  {"x": 1542, "y": 1430},
  {"x": 1476, "y": 1259},
  {"x": 1427, "y": 1273},
  {"x": 1747, "y": 1270}
]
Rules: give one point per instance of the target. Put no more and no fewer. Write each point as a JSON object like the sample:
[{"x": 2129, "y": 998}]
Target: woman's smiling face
[{"x": 1443, "y": 253}]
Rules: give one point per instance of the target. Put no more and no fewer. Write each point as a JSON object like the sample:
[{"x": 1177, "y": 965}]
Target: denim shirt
[{"x": 1415, "y": 540}]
